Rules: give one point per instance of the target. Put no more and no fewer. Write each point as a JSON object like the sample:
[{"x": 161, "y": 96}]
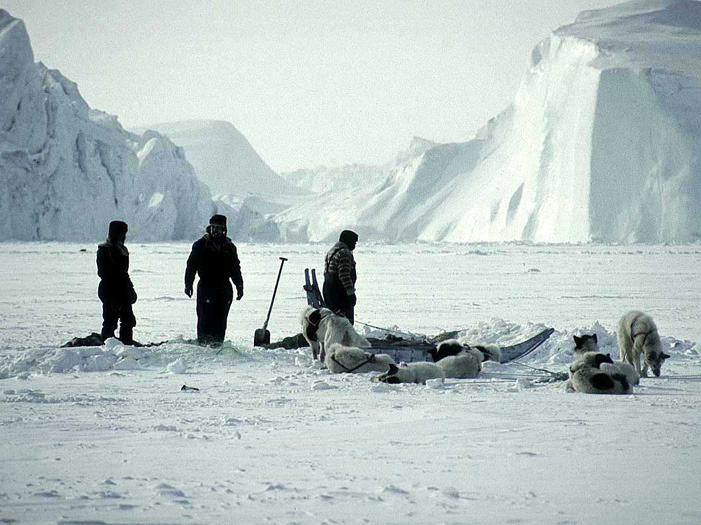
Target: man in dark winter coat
[
  {"x": 340, "y": 276},
  {"x": 116, "y": 290},
  {"x": 215, "y": 259}
]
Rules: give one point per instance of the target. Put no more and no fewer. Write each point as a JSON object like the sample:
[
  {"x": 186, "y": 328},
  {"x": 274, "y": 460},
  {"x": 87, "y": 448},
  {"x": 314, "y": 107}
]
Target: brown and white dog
[
  {"x": 323, "y": 328},
  {"x": 637, "y": 335}
]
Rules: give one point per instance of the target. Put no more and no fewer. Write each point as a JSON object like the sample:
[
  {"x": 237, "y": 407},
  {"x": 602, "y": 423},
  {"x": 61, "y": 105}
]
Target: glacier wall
[
  {"x": 601, "y": 143},
  {"x": 66, "y": 170}
]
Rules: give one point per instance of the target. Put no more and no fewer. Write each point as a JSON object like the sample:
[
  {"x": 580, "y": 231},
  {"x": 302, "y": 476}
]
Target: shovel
[{"x": 262, "y": 335}]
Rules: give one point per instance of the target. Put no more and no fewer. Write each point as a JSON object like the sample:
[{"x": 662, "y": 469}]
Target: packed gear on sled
[
  {"x": 215, "y": 259},
  {"x": 340, "y": 276},
  {"x": 116, "y": 291}
]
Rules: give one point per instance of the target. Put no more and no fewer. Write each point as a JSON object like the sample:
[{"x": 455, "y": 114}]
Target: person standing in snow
[
  {"x": 116, "y": 290},
  {"x": 340, "y": 276},
  {"x": 215, "y": 259}
]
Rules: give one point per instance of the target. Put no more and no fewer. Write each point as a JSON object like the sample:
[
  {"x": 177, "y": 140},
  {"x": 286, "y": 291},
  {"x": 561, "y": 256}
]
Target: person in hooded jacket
[
  {"x": 116, "y": 291},
  {"x": 340, "y": 276},
  {"x": 215, "y": 259}
]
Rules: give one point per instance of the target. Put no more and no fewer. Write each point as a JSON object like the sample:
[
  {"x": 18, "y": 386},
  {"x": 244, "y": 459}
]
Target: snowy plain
[{"x": 271, "y": 438}]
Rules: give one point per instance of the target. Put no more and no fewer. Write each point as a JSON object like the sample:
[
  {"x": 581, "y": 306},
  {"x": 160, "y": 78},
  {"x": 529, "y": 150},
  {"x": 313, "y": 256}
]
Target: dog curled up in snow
[
  {"x": 637, "y": 335},
  {"x": 606, "y": 364},
  {"x": 323, "y": 328},
  {"x": 587, "y": 379},
  {"x": 585, "y": 343},
  {"x": 350, "y": 360},
  {"x": 459, "y": 361},
  {"x": 411, "y": 373}
]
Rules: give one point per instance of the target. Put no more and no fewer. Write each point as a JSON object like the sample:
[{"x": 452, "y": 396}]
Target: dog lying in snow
[
  {"x": 604, "y": 363},
  {"x": 587, "y": 379},
  {"x": 411, "y": 373},
  {"x": 459, "y": 361},
  {"x": 637, "y": 335},
  {"x": 344, "y": 360},
  {"x": 323, "y": 328}
]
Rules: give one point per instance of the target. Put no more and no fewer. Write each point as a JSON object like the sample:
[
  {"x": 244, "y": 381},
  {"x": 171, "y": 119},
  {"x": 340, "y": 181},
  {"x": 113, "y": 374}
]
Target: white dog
[
  {"x": 590, "y": 380},
  {"x": 637, "y": 334},
  {"x": 460, "y": 361},
  {"x": 412, "y": 373},
  {"x": 346, "y": 360},
  {"x": 323, "y": 328}
]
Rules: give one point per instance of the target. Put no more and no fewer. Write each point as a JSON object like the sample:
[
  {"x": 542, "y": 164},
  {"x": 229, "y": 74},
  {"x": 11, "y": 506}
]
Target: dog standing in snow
[
  {"x": 351, "y": 360},
  {"x": 637, "y": 335},
  {"x": 460, "y": 361},
  {"x": 323, "y": 328}
]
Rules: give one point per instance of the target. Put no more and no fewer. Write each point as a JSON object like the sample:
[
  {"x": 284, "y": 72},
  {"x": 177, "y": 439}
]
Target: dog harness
[
  {"x": 634, "y": 335},
  {"x": 346, "y": 370}
]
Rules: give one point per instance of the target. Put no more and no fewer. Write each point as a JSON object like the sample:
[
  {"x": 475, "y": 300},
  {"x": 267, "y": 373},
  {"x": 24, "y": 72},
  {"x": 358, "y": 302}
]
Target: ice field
[{"x": 272, "y": 438}]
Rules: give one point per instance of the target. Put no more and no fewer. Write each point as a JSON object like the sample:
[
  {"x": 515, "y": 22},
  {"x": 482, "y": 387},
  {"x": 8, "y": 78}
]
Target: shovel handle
[{"x": 282, "y": 263}]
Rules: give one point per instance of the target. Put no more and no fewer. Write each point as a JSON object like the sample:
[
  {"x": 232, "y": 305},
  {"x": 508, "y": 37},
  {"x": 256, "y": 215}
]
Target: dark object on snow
[
  {"x": 116, "y": 290},
  {"x": 340, "y": 276},
  {"x": 289, "y": 343},
  {"x": 186, "y": 388},
  {"x": 93, "y": 339},
  {"x": 215, "y": 259},
  {"x": 262, "y": 336}
]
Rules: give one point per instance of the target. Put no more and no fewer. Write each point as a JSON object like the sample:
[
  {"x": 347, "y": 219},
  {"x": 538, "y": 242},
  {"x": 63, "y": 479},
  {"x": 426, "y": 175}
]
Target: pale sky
[{"x": 307, "y": 82}]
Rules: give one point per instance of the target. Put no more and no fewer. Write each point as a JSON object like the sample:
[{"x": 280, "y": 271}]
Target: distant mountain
[
  {"x": 602, "y": 143},
  {"x": 224, "y": 159}
]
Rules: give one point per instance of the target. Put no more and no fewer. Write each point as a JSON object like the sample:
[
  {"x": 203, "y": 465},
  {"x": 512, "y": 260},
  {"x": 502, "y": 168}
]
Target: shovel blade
[{"x": 261, "y": 337}]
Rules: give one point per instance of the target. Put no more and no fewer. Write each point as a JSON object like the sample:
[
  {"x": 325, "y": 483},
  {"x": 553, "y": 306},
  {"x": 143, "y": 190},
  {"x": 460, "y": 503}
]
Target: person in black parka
[
  {"x": 116, "y": 290},
  {"x": 340, "y": 276},
  {"x": 215, "y": 259}
]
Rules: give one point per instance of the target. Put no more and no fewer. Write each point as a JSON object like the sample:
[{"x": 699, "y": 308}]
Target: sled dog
[
  {"x": 605, "y": 363},
  {"x": 451, "y": 347},
  {"x": 322, "y": 328},
  {"x": 587, "y": 379},
  {"x": 637, "y": 335},
  {"x": 346, "y": 360},
  {"x": 460, "y": 361},
  {"x": 411, "y": 373},
  {"x": 585, "y": 343}
]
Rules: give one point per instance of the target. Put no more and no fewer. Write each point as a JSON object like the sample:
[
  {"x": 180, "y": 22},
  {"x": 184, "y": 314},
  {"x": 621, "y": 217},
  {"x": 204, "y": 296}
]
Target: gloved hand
[
  {"x": 188, "y": 291},
  {"x": 131, "y": 296},
  {"x": 239, "y": 293},
  {"x": 116, "y": 307},
  {"x": 352, "y": 299}
]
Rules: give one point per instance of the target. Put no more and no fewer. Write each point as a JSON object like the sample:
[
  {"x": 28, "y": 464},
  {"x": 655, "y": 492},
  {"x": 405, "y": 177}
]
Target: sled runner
[{"x": 409, "y": 350}]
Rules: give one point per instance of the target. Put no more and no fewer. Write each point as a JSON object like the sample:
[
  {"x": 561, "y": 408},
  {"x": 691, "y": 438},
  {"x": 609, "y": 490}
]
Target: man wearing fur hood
[
  {"x": 340, "y": 276},
  {"x": 215, "y": 259},
  {"x": 116, "y": 290}
]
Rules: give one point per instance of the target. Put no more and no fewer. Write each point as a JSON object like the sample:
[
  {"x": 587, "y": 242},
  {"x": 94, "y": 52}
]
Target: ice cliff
[
  {"x": 66, "y": 170},
  {"x": 602, "y": 143}
]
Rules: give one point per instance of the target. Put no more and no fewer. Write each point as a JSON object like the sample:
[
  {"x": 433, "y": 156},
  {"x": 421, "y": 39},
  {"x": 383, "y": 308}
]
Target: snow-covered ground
[{"x": 271, "y": 438}]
